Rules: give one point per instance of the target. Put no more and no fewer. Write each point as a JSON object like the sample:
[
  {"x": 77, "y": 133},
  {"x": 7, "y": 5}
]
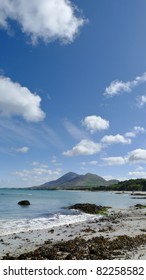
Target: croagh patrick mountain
[{"x": 75, "y": 181}]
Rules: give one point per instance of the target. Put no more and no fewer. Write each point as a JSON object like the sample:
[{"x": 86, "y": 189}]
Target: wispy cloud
[
  {"x": 74, "y": 131},
  {"x": 11, "y": 151},
  {"x": 43, "y": 19},
  {"x": 39, "y": 174},
  {"x": 28, "y": 134},
  {"x": 117, "y": 87},
  {"x": 22, "y": 150},
  {"x": 137, "y": 174}
]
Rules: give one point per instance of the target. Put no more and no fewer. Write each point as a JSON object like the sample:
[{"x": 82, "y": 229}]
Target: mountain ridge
[{"x": 75, "y": 181}]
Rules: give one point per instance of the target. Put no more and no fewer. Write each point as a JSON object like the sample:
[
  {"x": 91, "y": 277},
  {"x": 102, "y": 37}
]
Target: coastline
[{"x": 125, "y": 227}]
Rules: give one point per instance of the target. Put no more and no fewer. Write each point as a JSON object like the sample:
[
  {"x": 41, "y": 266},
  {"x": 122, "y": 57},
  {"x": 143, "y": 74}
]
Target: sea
[{"x": 48, "y": 209}]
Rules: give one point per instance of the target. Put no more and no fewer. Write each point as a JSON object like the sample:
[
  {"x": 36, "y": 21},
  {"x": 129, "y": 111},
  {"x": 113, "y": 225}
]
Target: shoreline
[{"x": 119, "y": 226}]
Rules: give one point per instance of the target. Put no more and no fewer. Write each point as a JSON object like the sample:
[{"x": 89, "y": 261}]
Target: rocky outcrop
[
  {"x": 24, "y": 202},
  {"x": 89, "y": 208},
  {"x": 139, "y": 206}
]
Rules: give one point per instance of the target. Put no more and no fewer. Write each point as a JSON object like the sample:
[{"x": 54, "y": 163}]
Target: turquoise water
[{"x": 46, "y": 209}]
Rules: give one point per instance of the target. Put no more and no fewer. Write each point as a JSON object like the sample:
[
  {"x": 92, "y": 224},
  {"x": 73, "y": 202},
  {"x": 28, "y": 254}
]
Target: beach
[{"x": 121, "y": 234}]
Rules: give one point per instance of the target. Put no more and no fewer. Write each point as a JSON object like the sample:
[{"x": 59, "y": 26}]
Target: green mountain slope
[{"x": 72, "y": 180}]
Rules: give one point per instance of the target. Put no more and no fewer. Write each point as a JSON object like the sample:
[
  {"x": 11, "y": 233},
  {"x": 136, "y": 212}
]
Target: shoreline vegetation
[
  {"x": 91, "y": 182},
  {"x": 111, "y": 234}
]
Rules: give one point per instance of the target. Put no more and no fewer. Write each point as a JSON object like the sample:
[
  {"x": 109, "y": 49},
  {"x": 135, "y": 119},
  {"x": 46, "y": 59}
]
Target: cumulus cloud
[
  {"x": 138, "y": 155},
  {"x": 114, "y": 160},
  {"x": 95, "y": 123},
  {"x": 42, "y": 19},
  {"x": 135, "y": 156},
  {"x": 84, "y": 147},
  {"x": 115, "y": 139},
  {"x": 117, "y": 87},
  {"x": 22, "y": 150},
  {"x": 18, "y": 100}
]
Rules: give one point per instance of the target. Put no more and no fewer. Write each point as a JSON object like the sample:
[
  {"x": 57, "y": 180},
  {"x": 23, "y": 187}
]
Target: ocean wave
[{"x": 58, "y": 219}]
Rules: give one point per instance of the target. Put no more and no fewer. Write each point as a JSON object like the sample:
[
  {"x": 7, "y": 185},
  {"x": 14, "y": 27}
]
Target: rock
[
  {"x": 89, "y": 208},
  {"x": 24, "y": 202},
  {"x": 140, "y": 206}
]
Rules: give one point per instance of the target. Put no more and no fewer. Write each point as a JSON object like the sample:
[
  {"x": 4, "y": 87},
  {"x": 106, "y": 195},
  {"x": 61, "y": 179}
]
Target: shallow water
[{"x": 46, "y": 209}]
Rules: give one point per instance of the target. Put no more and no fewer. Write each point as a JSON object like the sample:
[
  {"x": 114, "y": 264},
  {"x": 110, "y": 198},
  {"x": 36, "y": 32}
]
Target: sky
[{"x": 72, "y": 90}]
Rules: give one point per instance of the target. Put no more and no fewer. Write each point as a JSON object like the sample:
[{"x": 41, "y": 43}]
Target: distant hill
[
  {"x": 130, "y": 185},
  {"x": 72, "y": 180}
]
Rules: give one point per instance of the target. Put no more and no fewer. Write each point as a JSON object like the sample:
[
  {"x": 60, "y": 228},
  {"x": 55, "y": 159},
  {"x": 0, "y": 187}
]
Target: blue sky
[{"x": 72, "y": 89}]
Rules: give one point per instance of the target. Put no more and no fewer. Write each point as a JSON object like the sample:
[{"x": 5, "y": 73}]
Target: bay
[{"x": 47, "y": 208}]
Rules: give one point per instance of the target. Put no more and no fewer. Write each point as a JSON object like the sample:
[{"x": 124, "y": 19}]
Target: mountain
[
  {"x": 72, "y": 180},
  {"x": 65, "y": 178}
]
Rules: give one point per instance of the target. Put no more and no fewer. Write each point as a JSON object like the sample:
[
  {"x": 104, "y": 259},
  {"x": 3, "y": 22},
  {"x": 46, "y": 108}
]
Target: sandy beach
[{"x": 129, "y": 222}]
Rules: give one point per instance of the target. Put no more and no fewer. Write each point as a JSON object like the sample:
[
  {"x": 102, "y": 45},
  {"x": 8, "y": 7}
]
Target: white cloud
[
  {"x": 135, "y": 156},
  {"x": 35, "y": 163},
  {"x": 139, "y": 168},
  {"x": 116, "y": 87},
  {"x": 95, "y": 123},
  {"x": 18, "y": 100},
  {"x": 114, "y": 160},
  {"x": 93, "y": 162},
  {"x": 136, "y": 130},
  {"x": 54, "y": 160},
  {"x": 139, "y": 129},
  {"x": 130, "y": 134},
  {"x": 83, "y": 163},
  {"x": 114, "y": 139},
  {"x": 141, "y": 101},
  {"x": 109, "y": 177},
  {"x": 37, "y": 175},
  {"x": 138, "y": 155},
  {"x": 22, "y": 150},
  {"x": 137, "y": 174},
  {"x": 84, "y": 147},
  {"x": 42, "y": 19}
]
